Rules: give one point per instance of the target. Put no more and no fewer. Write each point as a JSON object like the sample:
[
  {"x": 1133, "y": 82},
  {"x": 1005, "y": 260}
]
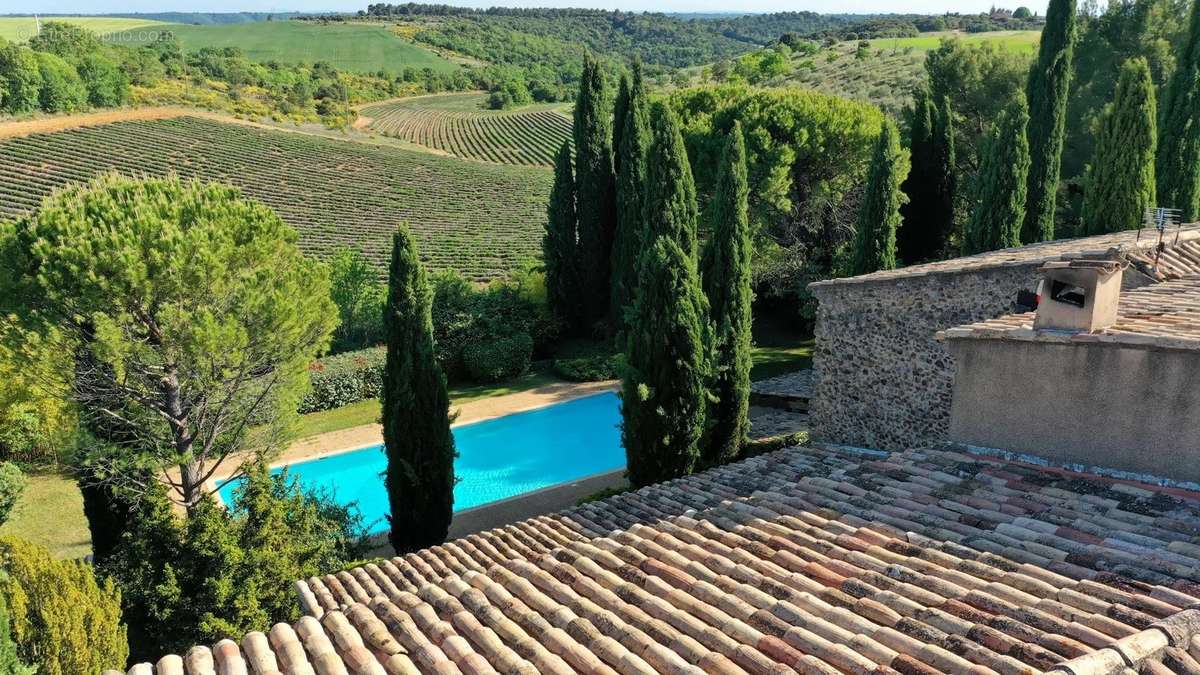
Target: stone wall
[{"x": 881, "y": 379}]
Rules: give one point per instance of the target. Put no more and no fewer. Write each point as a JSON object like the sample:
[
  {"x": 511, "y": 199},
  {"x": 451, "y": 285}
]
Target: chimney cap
[{"x": 1102, "y": 267}]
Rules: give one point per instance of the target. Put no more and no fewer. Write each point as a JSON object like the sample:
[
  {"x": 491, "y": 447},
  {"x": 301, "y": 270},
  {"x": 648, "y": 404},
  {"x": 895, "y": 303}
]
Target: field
[
  {"x": 459, "y": 125},
  {"x": 479, "y": 219},
  {"x": 21, "y": 28},
  {"x": 887, "y": 76},
  {"x": 355, "y": 47}
]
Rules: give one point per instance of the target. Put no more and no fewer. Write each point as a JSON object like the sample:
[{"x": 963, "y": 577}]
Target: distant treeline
[{"x": 210, "y": 18}]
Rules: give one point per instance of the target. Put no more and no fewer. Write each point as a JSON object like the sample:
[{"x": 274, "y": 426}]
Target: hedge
[{"x": 344, "y": 379}]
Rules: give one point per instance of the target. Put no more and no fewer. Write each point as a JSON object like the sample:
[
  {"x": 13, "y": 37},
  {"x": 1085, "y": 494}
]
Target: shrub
[
  {"x": 594, "y": 368},
  {"x": 62, "y": 89},
  {"x": 62, "y": 619},
  {"x": 12, "y": 483},
  {"x": 344, "y": 379},
  {"x": 498, "y": 358},
  {"x": 106, "y": 84}
]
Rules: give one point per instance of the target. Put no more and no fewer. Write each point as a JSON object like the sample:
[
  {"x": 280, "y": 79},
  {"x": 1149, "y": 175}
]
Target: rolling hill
[{"x": 479, "y": 219}]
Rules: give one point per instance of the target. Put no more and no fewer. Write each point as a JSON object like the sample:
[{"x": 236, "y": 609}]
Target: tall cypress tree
[
  {"x": 620, "y": 109},
  {"x": 664, "y": 396},
  {"x": 1178, "y": 165},
  {"x": 669, "y": 208},
  {"x": 726, "y": 278},
  {"x": 595, "y": 189},
  {"x": 416, "y": 421},
  {"x": 631, "y": 182},
  {"x": 560, "y": 243},
  {"x": 998, "y": 208},
  {"x": 879, "y": 216},
  {"x": 1120, "y": 180},
  {"x": 945, "y": 176},
  {"x": 912, "y": 240},
  {"x": 1046, "y": 93}
]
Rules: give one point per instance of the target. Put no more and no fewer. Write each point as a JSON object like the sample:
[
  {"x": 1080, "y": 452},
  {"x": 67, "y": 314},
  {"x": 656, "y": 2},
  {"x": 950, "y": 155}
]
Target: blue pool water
[{"x": 497, "y": 458}]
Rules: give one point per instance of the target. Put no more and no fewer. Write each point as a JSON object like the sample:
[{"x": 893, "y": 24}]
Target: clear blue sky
[{"x": 824, "y": 6}]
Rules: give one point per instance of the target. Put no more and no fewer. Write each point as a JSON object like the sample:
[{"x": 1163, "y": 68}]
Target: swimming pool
[{"x": 497, "y": 458}]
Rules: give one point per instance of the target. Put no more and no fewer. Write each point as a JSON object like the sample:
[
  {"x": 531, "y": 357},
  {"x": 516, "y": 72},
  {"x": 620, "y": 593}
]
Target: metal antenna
[{"x": 1161, "y": 218}]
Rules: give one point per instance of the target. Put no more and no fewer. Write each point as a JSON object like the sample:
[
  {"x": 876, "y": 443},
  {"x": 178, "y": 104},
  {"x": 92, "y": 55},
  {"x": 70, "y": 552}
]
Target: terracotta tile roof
[
  {"x": 1181, "y": 256},
  {"x": 1162, "y": 315},
  {"x": 807, "y": 560}
]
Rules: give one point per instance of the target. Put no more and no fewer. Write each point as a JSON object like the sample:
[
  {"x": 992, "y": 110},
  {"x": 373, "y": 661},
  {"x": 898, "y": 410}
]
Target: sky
[{"x": 822, "y": 6}]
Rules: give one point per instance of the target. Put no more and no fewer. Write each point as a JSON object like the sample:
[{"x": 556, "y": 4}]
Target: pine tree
[
  {"x": 669, "y": 208},
  {"x": 595, "y": 189},
  {"x": 1046, "y": 93},
  {"x": 631, "y": 183},
  {"x": 1120, "y": 180},
  {"x": 879, "y": 216},
  {"x": 664, "y": 394},
  {"x": 416, "y": 420},
  {"x": 726, "y": 277},
  {"x": 912, "y": 240},
  {"x": 1178, "y": 163},
  {"x": 999, "y": 201},
  {"x": 560, "y": 252}
]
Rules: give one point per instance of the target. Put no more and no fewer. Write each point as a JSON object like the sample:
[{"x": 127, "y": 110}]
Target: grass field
[
  {"x": 459, "y": 124},
  {"x": 354, "y": 47},
  {"x": 1013, "y": 40},
  {"x": 482, "y": 220},
  {"x": 21, "y": 28},
  {"x": 50, "y": 513}
]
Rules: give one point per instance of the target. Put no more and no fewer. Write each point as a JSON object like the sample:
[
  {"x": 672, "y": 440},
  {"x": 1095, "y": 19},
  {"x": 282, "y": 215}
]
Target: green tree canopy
[
  {"x": 1046, "y": 94},
  {"x": 355, "y": 289},
  {"x": 879, "y": 216},
  {"x": 1120, "y": 180},
  {"x": 727, "y": 285},
  {"x": 66, "y": 40},
  {"x": 931, "y": 182},
  {"x": 192, "y": 311},
  {"x": 1178, "y": 168},
  {"x": 20, "y": 79},
  {"x": 560, "y": 244},
  {"x": 106, "y": 84},
  {"x": 595, "y": 189},
  {"x": 631, "y": 186},
  {"x": 61, "y": 89},
  {"x": 416, "y": 409},
  {"x": 61, "y": 619},
  {"x": 669, "y": 208},
  {"x": 998, "y": 207}
]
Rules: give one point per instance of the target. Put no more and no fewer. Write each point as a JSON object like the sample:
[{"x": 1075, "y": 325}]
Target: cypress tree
[
  {"x": 416, "y": 421},
  {"x": 670, "y": 193},
  {"x": 726, "y": 277},
  {"x": 664, "y": 394},
  {"x": 1046, "y": 93},
  {"x": 595, "y": 188},
  {"x": 1120, "y": 185},
  {"x": 999, "y": 201},
  {"x": 620, "y": 109},
  {"x": 912, "y": 240},
  {"x": 560, "y": 243},
  {"x": 631, "y": 182},
  {"x": 1178, "y": 163},
  {"x": 945, "y": 177},
  {"x": 879, "y": 216}
]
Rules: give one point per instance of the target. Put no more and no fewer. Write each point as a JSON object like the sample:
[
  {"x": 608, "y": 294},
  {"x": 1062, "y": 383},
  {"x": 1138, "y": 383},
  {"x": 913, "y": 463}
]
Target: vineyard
[
  {"x": 481, "y": 220},
  {"x": 458, "y": 125}
]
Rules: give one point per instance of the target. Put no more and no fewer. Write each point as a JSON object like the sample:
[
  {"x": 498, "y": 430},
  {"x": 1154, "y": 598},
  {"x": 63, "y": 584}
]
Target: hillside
[
  {"x": 459, "y": 125},
  {"x": 355, "y": 47},
  {"x": 21, "y": 28},
  {"x": 481, "y": 220}
]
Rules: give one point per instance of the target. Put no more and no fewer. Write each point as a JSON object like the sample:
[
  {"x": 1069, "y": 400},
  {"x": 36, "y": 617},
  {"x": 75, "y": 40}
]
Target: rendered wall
[{"x": 1136, "y": 409}]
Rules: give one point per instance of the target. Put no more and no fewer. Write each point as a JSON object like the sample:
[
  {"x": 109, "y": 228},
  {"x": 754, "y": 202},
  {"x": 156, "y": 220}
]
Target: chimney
[{"x": 1078, "y": 295}]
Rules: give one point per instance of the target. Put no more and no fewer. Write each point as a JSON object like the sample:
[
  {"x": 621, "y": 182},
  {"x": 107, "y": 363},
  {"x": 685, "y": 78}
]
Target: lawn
[
  {"x": 777, "y": 359},
  {"x": 21, "y": 28},
  {"x": 354, "y": 47},
  {"x": 50, "y": 513}
]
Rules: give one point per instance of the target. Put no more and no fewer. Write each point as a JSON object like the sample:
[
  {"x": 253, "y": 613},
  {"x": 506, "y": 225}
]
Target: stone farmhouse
[{"x": 994, "y": 492}]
